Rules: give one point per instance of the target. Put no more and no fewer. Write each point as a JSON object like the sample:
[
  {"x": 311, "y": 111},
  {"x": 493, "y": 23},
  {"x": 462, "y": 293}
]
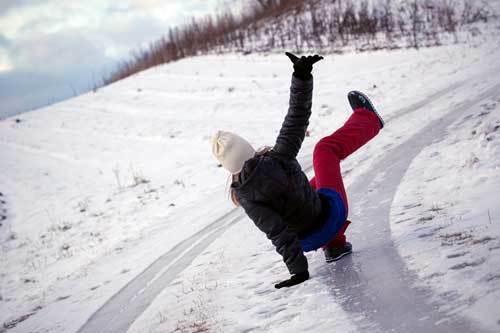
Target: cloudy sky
[{"x": 52, "y": 49}]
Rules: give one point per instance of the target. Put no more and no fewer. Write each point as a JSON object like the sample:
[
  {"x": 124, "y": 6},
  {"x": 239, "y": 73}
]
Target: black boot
[
  {"x": 360, "y": 100},
  {"x": 335, "y": 253}
]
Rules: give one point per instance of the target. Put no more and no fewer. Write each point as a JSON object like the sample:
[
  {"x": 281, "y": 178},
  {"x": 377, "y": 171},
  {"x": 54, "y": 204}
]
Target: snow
[
  {"x": 229, "y": 288},
  {"x": 98, "y": 187},
  {"x": 446, "y": 213}
]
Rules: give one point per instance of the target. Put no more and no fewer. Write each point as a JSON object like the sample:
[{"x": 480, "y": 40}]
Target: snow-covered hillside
[
  {"x": 97, "y": 188},
  {"x": 446, "y": 213}
]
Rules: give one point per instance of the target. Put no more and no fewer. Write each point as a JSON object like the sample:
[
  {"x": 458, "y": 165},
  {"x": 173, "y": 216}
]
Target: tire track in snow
[
  {"x": 121, "y": 310},
  {"x": 431, "y": 98},
  {"x": 374, "y": 282}
]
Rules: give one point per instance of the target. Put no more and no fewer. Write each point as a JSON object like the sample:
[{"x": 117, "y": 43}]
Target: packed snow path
[
  {"x": 374, "y": 282},
  {"x": 118, "y": 314}
]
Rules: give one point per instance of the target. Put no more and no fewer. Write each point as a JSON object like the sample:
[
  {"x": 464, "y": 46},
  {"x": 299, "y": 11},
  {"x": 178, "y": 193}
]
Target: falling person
[{"x": 298, "y": 215}]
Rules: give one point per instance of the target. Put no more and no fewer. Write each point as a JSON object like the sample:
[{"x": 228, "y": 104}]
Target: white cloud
[
  {"x": 69, "y": 40},
  {"x": 56, "y": 53},
  {"x": 5, "y": 64},
  {"x": 117, "y": 27}
]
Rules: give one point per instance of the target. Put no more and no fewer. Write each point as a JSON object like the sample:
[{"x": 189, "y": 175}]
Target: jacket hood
[{"x": 247, "y": 174}]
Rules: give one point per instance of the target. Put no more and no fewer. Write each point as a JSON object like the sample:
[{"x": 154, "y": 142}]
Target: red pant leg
[
  {"x": 339, "y": 239},
  {"x": 360, "y": 128},
  {"x": 312, "y": 181}
]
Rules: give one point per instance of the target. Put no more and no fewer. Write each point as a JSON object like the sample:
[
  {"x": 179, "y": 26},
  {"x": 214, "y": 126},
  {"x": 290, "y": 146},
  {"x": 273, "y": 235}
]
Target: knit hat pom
[{"x": 231, "y": 150}]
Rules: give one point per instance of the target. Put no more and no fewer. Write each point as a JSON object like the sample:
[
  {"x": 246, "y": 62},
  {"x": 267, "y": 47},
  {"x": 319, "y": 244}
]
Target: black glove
[
  {"x": 294, "y": 280},
  {"x": 303, "y": 66}
]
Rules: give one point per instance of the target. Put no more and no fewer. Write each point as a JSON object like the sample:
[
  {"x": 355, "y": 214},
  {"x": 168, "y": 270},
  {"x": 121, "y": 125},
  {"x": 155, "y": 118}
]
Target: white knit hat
[{"x": 231, "y": 150}]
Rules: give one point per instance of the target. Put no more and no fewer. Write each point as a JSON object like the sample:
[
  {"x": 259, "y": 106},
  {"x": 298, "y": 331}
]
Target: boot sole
[
  {"x": 382, "y": 122},
  {"x": 338, "y": 257}
]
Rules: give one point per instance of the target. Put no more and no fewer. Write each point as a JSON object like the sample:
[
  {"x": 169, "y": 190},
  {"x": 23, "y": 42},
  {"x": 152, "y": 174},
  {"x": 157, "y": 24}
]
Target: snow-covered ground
[
  {"x": 446, "y": 214},
  {"x": 98, "y": 187}
]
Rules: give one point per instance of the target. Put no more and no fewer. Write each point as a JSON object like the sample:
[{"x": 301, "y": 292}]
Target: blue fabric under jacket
[{"x": 335, "y": 220}]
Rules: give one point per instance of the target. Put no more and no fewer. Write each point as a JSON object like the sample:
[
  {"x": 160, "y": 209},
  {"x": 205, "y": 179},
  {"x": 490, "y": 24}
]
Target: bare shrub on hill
[{"x": 300, "y": 25}]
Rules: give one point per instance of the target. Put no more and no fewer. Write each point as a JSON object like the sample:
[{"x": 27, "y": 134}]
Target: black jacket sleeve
[
  {"x": 296, "y": 121},
  {"x": 285, "y": 241}
]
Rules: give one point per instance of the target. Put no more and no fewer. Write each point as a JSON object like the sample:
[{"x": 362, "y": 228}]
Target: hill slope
[{"x": 98, "y": 187}]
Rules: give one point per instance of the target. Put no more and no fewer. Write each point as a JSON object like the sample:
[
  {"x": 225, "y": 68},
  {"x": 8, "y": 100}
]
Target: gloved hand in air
[
  {"x": 303, "y": 66},
  {"x": 294, "y": 280}
]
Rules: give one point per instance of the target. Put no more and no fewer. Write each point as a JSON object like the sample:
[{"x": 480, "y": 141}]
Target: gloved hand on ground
[
  {"x": 303, "y": 66},
  {"x": 294, "y": 280}
]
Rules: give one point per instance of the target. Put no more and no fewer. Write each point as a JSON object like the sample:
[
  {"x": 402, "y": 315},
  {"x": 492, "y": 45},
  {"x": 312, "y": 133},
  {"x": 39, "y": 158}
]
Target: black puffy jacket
[{"x": 273, "y": 190}]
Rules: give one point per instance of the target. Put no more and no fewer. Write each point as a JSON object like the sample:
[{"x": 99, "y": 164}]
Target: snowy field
[
  {"x": 98, "y": 187},
  {"x": 446, "y": 214}
]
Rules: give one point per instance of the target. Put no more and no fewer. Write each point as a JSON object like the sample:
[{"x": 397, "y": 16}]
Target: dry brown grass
[{"x": 300, "y": 24}]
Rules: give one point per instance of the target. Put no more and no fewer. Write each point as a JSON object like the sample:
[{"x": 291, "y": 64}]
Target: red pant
[{"x": 360, "y": 128}]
